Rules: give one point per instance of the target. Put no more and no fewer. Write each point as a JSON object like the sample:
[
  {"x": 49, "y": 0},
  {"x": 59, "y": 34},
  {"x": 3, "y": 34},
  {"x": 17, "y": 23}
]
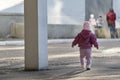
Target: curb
[
  {"x": 21, "y": 42},
  {"x": 15, "y": 43}
]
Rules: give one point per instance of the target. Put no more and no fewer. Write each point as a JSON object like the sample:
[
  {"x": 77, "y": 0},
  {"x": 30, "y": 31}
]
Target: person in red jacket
[
  {"x": 85, "y": 39},
  {"x": 111, "y": 17}
]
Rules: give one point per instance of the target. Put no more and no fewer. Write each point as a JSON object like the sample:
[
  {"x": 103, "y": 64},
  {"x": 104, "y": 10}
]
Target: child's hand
[
  {"x": 97, "y": 47},
  {"x": 72, "y": 45}
]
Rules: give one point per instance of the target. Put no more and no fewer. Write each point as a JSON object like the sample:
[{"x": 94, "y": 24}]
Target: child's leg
[
  {"x": 82, "y": 56},
  {"x": 89, "y": 57}
]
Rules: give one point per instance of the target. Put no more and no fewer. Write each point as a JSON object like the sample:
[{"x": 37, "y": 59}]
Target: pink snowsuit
[{"x": 85, "y": 39}]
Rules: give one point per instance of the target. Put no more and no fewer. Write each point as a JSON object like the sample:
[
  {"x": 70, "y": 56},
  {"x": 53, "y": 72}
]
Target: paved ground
[{"x": 63, "y": 63}]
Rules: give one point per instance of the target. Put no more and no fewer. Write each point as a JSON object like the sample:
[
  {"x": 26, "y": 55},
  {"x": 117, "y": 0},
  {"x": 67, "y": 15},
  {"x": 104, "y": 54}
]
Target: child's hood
[{"x": 85, "y": 34}]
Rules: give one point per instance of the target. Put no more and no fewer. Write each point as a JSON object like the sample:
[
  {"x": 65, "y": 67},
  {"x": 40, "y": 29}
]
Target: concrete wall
[
  {"x": 54, "y": 31},
  {"x": 59, "y": 11},
  {"x": 11, "y": 11},
  {"x": 64, "y": 16},
  {"x": 63, "y": 30},
  {"x": 97, "y": 7},
  {"x": 11, "y": 6},
  {"x": 5, "y": 22},
  {"x": 66, "y": 11},
  {"x": 116, "y": 6},
  {"x": 63, "y": 13}
]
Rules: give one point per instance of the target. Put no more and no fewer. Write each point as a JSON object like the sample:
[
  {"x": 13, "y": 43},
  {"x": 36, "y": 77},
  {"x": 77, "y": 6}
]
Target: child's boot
[
  {"x": 88, "y": 67},
  {"x": 82, "y": 66}
]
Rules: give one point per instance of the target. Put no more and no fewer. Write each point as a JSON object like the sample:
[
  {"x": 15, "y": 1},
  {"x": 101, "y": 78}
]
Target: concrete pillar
[
  {"x": 36, "y": 52},
  {"x": 116, "y": 7}
]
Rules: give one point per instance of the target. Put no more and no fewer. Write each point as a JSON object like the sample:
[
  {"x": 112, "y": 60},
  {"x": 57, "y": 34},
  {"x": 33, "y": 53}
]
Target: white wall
[
  {"x": 66, "y": 11},
  {"x": 116, "y": 6},
  {"x": 59, "y": 11},
  {"x": 11, "y": 11},
  {"x": 11, "y": 6}
]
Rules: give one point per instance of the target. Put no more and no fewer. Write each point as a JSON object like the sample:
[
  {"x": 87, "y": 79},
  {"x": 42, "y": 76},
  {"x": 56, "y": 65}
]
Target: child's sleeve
[
  {"x": 94, "y": 41},
  {"x": 75, "y": 41}
]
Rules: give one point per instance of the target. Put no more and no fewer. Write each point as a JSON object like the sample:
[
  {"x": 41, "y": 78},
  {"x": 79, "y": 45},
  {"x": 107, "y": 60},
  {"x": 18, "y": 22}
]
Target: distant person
[
  {"x": 85, "y": 39},
  {"x": 92, "y": 23},
  {"x": 100, "y": 22},
  {"x": 111, "y": 17}
]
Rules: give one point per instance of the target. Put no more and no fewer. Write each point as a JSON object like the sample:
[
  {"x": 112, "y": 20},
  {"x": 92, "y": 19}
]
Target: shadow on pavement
[{"x": 71, "y": 74}]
